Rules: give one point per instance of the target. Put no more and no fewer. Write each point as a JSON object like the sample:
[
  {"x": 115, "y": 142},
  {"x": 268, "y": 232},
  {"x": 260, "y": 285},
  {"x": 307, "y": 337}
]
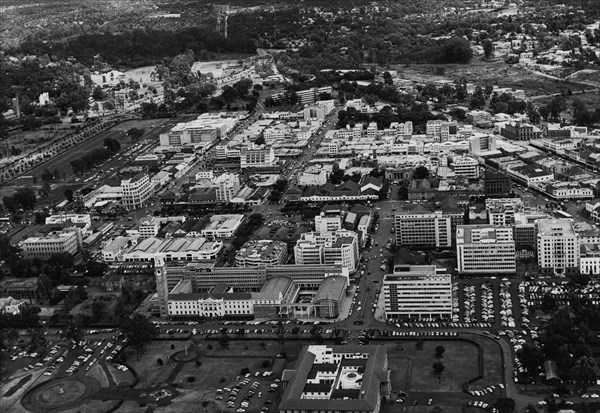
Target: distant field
[{"x": 484, "y": 73}]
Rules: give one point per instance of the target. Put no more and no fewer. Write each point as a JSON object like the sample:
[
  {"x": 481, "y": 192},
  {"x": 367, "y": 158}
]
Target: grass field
[
  {"x": 412, "y": 368},
  {"x": 483, "y": 73}
]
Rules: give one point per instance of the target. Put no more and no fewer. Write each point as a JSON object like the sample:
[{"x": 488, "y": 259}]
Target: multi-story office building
[
  {"x": 339, "y": 247},
  {"x": 481, "y": 142},
  {"x": 257, "y": 157},
  {"x": 51, "y": 244},
  {"x": 417, "y": 291},
  {"x": 262, "y": 252},
  {"x": 557, "y": 247},
  {"x": 423, "y": 228},
  {"x": 136, "y": 191},
  {"x": 496, "y": 184},
  {"x": 226, "y": 185},
  {"x": 485, "y": 249},
  {"x": 328, "y": 222},
  {"x": 466, "y": 167},
  {"x": 501, "y": 211}
]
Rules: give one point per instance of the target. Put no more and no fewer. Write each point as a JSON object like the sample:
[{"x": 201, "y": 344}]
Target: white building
[
  {"x": 174, "y": 249},
  {"x": 340, "y": 247},
  {"x": 427, "y": 229},
  {"x": 136, "y": 191},
  {"x": 261, "y": 252},
  {"x": 51, "y": 244},
  {"x": 558, "y": 246},
  {"x": 222, "y": 226},
  {"x": 257, "y": 157},
  {"x": 417, "y": 291},
  {"x": 83, "y": 221},
  {"x": 485, "y": 249},
  {"x": 328, "y": 223},
  {"x": 466, "y": 167}
]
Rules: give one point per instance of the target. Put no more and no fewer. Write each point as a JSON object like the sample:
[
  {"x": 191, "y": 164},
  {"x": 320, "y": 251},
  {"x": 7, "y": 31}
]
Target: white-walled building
[
  {"x": 422, "y": 228},
  {"x": 558, "y": 246},
  {"x": 417, "y": 291},
  {"x": 261, "y": 252},
  {"x": 257, "y": 157},
  {"x": 466, "y": 167},
  {"x": 485, "y": 249},
  {"x": 136, "y": 191},
  {"x": 174, "y": 249},
  {"x": 51, "y": 244},
  {"x": 222, "y": 226},
  {"x": 328, "y": 223},
  {"x": 339, "y": 247}
]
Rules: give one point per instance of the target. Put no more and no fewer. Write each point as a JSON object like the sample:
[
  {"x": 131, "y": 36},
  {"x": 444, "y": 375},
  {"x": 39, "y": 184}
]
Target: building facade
[
  {"x": 557, "y": 246},
  {"x": 428, "y": 229},
  {"x": 416, "y": 292},
  {"x": 136, "y": 191},
  {"x": 339, "y": 247},
  {"x": 485, "y": 249}
]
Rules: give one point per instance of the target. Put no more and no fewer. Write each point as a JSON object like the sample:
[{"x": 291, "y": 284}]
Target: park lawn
[
  {"x": 213, "y": 370},
  {"x": 459, "y": 359},
  {"x": 493, "y": 372},
  {"x": 147, "y": 368}
]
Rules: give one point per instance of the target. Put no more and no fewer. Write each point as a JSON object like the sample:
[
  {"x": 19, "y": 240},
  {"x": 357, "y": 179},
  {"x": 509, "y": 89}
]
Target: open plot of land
[
  {"x": 483, "y": 73},
  {"x": 459, "y": 360}
]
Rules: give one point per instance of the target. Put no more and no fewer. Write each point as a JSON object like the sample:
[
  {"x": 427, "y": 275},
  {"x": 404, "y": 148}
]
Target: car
[
  {"x": 429, "y": 402},
  {"x": 415, "y": 402}
]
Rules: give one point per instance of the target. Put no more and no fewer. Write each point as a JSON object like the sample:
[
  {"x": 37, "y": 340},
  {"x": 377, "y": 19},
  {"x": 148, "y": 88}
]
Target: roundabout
[{"x": 59, "y": 394}]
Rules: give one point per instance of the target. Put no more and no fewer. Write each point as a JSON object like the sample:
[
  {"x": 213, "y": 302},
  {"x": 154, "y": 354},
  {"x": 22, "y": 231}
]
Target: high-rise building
[
  {"x": 257, "y": 157},
  {"x": 136, "y": 191},
  {"x": 557, "y": 247},
  {"x": 466, "y": 167},
  {"x": 339, "y": 247},
  {"x": 423, "y": 228},
  {"x": 485, "y": 249},
  {"x": 496, "y": 184},
  {"x": 417, "y": 291}
]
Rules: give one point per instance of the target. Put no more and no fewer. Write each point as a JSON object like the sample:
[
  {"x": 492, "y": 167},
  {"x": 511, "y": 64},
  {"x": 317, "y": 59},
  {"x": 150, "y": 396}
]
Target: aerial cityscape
[{"x": 259, "y": 206}]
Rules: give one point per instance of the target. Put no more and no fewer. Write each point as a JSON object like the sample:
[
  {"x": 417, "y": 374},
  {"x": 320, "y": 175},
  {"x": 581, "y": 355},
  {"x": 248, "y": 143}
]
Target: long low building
[
  {"x": 270, "y": 291},
  {"x": 51, "y": 244},
  {"x": 222, "y": 226},
  {"x": 174, "y": 249}
]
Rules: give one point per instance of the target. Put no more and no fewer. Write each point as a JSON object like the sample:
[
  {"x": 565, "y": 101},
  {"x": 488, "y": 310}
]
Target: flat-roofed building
[
  {"x": 557, "y": 247},
  {"x": 466, "y": 167},
  {"x": 222, "y": 226},
  {"x": 257, "y": 157},
  {"x": 423, "y": 228},
  {"x": 417, "y": 291},
  {"x": 337, "y": 379},
  {"x": 339, "y": 247},
  {"x": 136, "y": 191},
  {"x": 261, "y": 252},
  {"x": 51, "y": 244},
  {"x": 485, "y": 249}
]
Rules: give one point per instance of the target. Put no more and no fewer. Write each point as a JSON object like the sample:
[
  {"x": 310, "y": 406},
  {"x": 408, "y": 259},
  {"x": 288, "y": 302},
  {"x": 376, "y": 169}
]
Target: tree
[
  {"x": 549, "y": 304},
  {"x": 112, "y": 145},
  {"x": 73, "y": 332},
  {"x": 439, "y": 351},
  {"x": 532, "y": 358},
  {"x": 259, "y": 141},
  {"x": 505, "y": 405},
  {"x": 12, "y": 336},
  {"x": 69, "y": 194},
  {"x": 135, "y": 134},
  {"x": 488, "y": 48},
  {"x": 98, "y": 308},
  {"x": 159, "y": 361},
  {"x": 438, "y": 367},
  {"x": 585, "y": 372},
  {"x": 421, "y": 172},
  {"x": 139, "y": 331}
]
